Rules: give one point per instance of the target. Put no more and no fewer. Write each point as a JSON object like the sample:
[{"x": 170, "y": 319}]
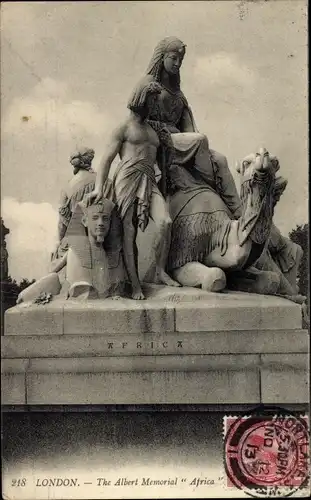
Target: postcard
[{"x": 154, "y": 250}]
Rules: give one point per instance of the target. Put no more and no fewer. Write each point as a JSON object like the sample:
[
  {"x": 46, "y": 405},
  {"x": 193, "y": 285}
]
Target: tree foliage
[
  {"x": 300, "y": 235},
  {"x": 10, "y": 290}
]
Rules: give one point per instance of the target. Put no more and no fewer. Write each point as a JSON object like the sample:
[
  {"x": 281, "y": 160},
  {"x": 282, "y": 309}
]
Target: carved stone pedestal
[{"x": 180, "y": 346}]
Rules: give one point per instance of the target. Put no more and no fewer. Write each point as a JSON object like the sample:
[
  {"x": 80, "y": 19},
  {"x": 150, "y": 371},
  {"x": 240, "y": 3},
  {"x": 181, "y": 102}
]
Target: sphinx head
[{"x": 96, "y": 219}]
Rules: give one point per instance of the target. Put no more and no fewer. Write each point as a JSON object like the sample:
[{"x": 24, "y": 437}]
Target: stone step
[
  {"x": 164, "y": 311},
  {"x": 243, "y": 379},
  {"x": 182, "y": 363},
  {"x": 180, "y": 346},
  {"x": 142, "y": 344}
]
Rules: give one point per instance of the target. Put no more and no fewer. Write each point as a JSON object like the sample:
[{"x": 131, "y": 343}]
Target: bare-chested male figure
[{"x": 134, "y": 187}]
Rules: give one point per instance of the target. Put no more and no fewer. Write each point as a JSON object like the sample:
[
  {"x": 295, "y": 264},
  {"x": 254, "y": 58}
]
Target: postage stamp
[{"x": 267, "y": 455}]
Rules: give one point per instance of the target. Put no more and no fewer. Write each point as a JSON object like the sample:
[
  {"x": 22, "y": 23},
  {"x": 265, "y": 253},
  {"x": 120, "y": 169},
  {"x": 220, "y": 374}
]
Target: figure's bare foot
[
  {"x": 166, "y": 279},
  {"x": 137, "y": 294}
]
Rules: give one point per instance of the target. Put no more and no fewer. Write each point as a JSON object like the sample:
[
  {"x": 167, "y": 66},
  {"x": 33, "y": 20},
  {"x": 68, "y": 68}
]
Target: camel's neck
[{"x": 257, "y": 210}]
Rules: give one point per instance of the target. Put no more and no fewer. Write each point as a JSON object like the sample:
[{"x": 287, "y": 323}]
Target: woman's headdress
[{"x": 168, "y": 44}]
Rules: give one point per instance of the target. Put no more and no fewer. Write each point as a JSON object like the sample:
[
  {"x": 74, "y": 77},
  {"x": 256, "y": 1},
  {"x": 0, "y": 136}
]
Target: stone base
[{"x": 180, "y": 346}]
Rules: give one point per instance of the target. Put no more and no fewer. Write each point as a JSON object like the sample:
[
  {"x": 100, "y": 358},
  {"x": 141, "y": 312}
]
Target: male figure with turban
[
  {"x": 134, "y": 187},
  {"x": 82, "y": 182}
]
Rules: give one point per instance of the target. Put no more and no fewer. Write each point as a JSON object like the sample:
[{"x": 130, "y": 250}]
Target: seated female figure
[
  {"x": 171, "y": 107},
  {"x": 192, "y": 148}
]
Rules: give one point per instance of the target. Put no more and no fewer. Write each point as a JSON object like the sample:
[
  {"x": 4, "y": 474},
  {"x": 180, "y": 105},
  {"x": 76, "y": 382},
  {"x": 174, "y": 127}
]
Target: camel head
[
  {"x": 258, "y": 166},
  {"x": 260, "y": 191}
]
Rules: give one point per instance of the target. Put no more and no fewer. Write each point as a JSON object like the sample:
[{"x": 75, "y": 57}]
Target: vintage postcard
[{"x": 154, "y": 249}]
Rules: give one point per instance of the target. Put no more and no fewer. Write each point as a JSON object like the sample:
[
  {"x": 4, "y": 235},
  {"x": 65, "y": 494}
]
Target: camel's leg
[
  {"x": 253, "y": 280},
  {"x": 285, "y": 286},
  {"x": 196, "y": 274},
  {"x": 292, "y": 274},
  {"x": 235, "y": 256},
  {"x": 280, "y": 245}
]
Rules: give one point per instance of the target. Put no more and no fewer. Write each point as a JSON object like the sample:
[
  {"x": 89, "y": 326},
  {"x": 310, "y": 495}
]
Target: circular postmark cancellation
[{"x": 267, "y": 455}]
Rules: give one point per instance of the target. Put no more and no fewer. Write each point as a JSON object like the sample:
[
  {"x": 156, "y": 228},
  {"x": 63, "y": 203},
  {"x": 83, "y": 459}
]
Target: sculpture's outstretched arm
[{"x": 113, "y": 148}]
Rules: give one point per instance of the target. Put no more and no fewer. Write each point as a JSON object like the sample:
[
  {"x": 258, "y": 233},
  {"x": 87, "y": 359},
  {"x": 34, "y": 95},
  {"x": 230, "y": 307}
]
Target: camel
[{"x": 211, "y": 250}]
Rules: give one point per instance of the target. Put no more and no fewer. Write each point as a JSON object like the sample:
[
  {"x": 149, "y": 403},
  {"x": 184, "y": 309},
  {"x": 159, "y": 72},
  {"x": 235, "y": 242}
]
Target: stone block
[
  {"x": 34, "y": 319},
  {"x": 13, "y": 389},
  {"x": 285, "y": 379},
  {"x": 14, "y": 365},
  {"x": 248, "y": 313},
  {"x": 142, "y": 364},
  {"x": 142, "y": 344},
  {"x": 188, "y": 310},
  {"x": 144, "y": 388},
  {"x": 117, "y": 316}
]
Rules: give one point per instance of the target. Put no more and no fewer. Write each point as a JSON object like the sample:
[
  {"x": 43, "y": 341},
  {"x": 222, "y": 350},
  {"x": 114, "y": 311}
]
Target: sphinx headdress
[{"x": 104, "y": 206}]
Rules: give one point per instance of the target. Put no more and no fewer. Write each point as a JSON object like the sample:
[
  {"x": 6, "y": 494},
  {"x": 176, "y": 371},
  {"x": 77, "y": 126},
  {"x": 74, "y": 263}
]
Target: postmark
[{"x": 267, "y": 455}]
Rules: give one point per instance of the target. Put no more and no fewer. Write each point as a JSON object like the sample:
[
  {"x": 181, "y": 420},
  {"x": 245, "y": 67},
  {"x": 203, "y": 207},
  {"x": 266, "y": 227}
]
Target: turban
[{"x": 82, "y": 158}]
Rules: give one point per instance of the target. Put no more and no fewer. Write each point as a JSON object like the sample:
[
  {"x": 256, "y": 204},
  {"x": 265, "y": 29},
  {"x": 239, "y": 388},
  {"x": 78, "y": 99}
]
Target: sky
[{"x": 67, "y": 71}]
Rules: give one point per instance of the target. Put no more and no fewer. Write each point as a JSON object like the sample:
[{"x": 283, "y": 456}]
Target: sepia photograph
[{"x": 154, "y": 249}]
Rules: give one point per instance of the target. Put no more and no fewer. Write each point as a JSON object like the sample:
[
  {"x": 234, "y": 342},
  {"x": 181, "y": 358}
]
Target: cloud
[
  {"x": 224, "y": 68},
  {"x": 39, "y": 132},
  {"x": 33, "y": 232},
  {"x": 19, "y": 17},
  {"x": 48, "y": 110}
]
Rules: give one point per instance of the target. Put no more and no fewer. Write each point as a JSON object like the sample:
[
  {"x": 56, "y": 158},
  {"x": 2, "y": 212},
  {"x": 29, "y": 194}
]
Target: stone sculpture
[
  {"x": 171, "y": 107},
  {"x": 82, "y": 182},
  {"x": 46, "y": 285},
  {"x": 215, "y": 246},
  {"x": 93, "y": 260},
  {"x": 208, "y": 168},
  {"x": 134, "y": 187},
  {"x": 217, "y": 239}
]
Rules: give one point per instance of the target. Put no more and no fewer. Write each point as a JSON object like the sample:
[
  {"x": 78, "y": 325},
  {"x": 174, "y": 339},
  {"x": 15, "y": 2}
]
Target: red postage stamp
[{"x": 267, "y": 455}]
